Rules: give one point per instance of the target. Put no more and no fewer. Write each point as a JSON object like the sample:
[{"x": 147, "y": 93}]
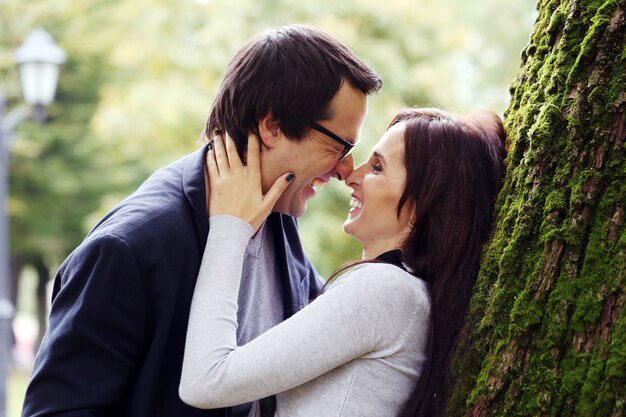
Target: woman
[{"x": 379, "y": 340}]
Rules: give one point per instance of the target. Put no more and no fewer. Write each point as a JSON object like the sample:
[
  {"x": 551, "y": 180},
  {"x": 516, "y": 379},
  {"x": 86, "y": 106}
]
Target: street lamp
[{"x": 38, "y": 60}]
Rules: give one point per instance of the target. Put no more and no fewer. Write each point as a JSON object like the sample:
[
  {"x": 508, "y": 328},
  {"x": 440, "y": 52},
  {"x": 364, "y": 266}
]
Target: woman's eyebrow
[{"x": 379, "y": 156}]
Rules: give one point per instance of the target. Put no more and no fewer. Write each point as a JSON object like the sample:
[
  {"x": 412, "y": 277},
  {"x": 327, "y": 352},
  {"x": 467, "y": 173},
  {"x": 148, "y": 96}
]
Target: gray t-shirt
[
  {"x": 357, "y": 350},
  {"x": 260, "y": 300}
]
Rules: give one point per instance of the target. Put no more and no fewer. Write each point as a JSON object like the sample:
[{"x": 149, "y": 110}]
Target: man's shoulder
[{"x": 158, "y": 210}]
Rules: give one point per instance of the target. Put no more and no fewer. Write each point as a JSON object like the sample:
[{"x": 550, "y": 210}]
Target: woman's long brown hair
[{"x": 455, "y": 168}]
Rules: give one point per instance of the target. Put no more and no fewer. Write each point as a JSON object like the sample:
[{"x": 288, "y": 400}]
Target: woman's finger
[
  {"x": 278, "y": 188},
  {"x": 221, "y": 157},
  {"x": 254, "y": 151},
  {"x": 214, "y": 172},
  {"x": 232, "y": 154}
]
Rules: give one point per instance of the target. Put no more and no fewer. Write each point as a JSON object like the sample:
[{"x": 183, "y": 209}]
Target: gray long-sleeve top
[{"x": 357, "y": 350}]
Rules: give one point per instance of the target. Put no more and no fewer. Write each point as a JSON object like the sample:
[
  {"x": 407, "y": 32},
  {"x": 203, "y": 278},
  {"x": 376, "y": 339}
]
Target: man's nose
[{"x": 344, "y": 167}]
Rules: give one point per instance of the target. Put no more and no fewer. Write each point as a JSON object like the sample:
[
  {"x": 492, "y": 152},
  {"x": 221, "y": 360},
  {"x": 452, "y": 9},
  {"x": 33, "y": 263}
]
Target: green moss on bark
[{"x": 546, "y": 333}]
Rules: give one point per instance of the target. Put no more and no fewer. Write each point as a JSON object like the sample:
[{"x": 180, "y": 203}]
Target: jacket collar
[{"x": 195, "y": 191}]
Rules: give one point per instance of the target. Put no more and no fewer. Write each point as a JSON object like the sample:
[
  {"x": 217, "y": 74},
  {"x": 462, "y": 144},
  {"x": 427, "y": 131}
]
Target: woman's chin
[{"x": 349, "y": 228}]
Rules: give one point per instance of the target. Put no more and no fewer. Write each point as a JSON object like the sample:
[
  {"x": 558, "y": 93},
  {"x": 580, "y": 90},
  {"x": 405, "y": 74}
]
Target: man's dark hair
[{"x": 292, "y": 72}]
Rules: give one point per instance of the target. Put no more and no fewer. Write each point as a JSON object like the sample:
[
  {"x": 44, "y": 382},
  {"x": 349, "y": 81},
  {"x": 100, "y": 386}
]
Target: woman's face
[{"x": 377, "y": 186}]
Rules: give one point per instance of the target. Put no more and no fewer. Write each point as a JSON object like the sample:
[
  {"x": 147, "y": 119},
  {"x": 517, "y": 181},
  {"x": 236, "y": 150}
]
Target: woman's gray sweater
[{"x": 357, "y": 350}]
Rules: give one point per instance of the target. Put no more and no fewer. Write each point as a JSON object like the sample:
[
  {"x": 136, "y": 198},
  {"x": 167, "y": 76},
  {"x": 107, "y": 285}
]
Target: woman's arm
[{"x": 370, "y": 311}]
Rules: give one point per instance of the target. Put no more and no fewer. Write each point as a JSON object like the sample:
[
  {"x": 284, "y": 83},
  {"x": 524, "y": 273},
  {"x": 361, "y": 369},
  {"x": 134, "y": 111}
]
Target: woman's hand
[{"x": 235, "y": 189}]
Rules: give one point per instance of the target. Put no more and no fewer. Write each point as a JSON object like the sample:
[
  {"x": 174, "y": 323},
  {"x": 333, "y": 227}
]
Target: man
[{"x": 121, "y": 300}]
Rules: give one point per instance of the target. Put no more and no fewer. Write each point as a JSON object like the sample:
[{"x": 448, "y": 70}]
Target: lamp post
[{"x": 38, "y": 60}]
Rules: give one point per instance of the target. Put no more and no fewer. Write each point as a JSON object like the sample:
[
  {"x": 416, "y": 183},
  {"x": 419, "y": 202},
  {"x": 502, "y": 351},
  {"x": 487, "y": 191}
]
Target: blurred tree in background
[
  {"x": 56, "y": 176},
  {"x": 140, "y": 81}
]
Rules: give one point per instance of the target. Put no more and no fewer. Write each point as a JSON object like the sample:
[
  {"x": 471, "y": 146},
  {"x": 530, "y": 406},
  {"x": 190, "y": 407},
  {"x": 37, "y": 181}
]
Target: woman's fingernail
[
  {"x": 290, "y": 177},
  {"x": 210, "y": 145}
]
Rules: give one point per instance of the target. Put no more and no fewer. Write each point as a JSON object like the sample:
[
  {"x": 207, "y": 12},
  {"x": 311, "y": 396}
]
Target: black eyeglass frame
[{"x": 347, "y": 146}]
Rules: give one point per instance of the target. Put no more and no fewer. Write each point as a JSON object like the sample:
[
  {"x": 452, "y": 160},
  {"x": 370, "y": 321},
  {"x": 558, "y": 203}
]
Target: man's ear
[{"x": 269, "y": 130}]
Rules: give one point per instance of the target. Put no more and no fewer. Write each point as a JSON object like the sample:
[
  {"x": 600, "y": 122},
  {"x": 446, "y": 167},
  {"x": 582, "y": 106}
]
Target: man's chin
[{"x": 294, "y": 204}]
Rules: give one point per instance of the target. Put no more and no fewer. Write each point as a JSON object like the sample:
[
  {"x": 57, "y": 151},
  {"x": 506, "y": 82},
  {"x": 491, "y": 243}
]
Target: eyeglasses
[{"x": 347, "y": 146}]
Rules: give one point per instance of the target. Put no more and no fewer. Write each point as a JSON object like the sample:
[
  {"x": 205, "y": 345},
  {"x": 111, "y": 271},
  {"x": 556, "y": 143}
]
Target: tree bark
[{"x": 546, "y": 331}]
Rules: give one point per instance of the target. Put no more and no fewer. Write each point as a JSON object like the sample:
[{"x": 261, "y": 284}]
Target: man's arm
[{"x": 96, "y": 338}]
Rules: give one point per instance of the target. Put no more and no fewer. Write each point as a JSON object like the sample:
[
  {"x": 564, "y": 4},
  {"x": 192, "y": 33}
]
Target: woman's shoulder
[
  {"x": 381, "y": 275},
  {"x": 384, "y": 283}
]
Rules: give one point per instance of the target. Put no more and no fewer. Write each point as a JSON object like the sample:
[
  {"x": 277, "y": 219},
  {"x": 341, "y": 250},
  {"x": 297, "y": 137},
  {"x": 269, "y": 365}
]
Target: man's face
[{"x": 315, "y": 159}]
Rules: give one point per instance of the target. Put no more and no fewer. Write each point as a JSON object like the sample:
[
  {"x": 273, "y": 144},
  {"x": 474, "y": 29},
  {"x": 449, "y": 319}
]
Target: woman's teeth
[
  {"x": 317, "y": 184},
  {"x": 356, "y": 203}
]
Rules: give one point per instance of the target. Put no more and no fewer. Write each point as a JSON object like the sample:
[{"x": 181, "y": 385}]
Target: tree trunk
[{"x": 546, "y": 332}]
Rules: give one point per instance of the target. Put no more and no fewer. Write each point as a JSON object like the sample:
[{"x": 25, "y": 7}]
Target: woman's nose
[{"x": 355, "y": 176}]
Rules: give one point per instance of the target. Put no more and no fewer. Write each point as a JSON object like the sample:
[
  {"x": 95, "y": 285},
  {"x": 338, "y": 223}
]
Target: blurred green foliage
[{"x": 141, "y": 75}]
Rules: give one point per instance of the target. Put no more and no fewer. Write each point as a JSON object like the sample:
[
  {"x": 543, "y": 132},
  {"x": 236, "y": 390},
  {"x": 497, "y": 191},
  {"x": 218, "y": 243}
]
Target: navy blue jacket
[{"x": 121, "y": 303}]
